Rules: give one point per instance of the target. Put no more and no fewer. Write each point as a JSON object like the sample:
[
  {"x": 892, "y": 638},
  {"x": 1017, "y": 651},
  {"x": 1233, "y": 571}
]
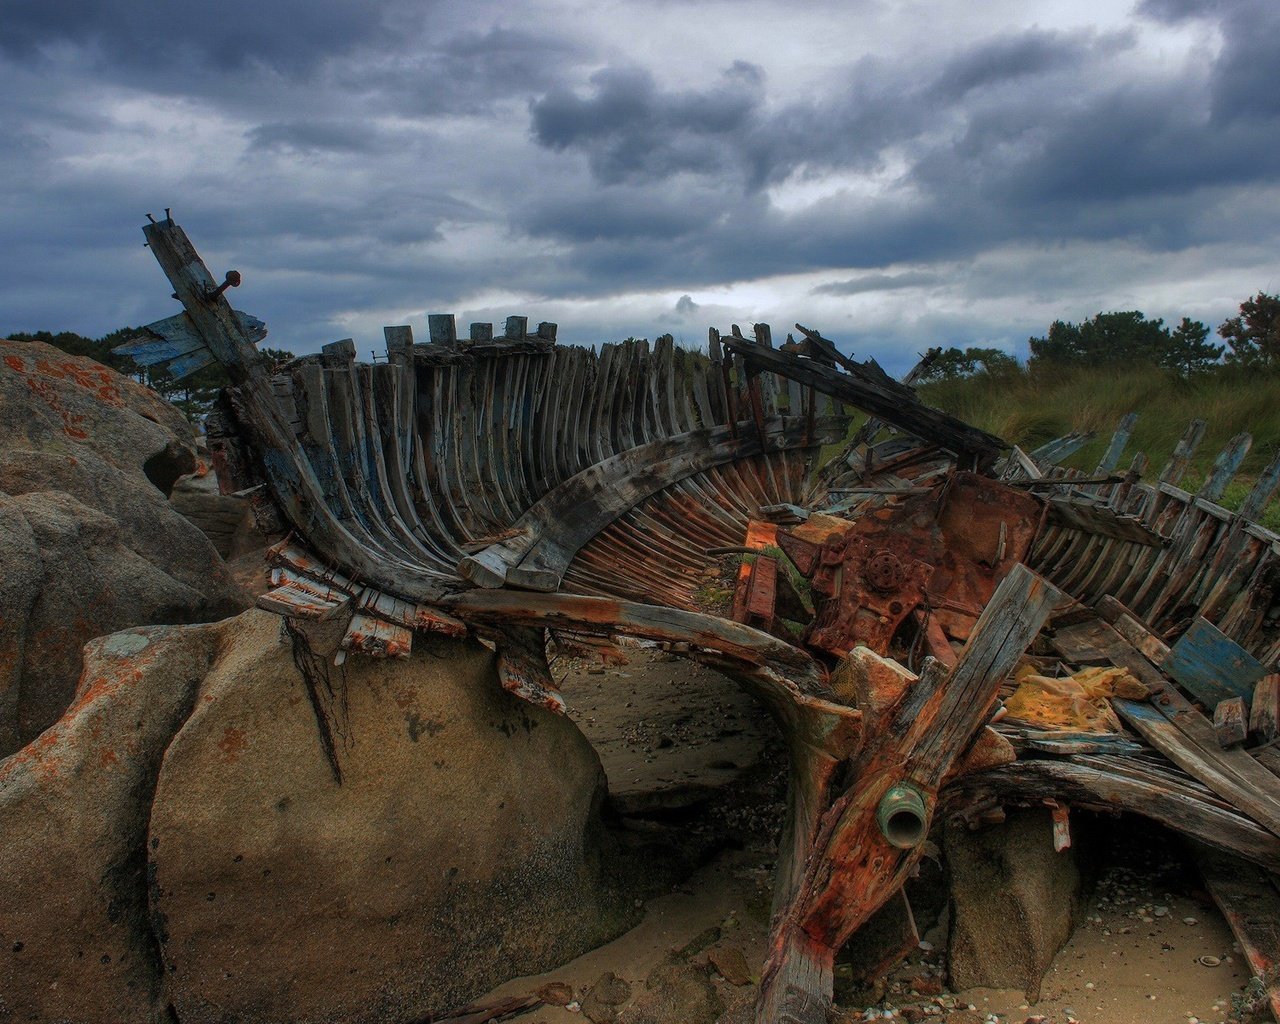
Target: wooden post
[{"x": 846, "y": 853}]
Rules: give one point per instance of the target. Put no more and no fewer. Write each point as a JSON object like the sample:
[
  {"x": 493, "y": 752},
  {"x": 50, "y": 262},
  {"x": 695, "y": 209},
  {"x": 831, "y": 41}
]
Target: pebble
[{"x": 1189, "y": 920}]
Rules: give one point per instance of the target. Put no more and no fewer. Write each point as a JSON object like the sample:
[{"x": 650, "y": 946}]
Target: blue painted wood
[
  {"x": 1225, "y": 466},
  {"x": 183, "y": 366},
  {"x": 1262, "y": 492},
  {"x": 176, "y": 336},
  {"x": 1055, "y": 451},
  {"x": 1118, "y": 440},
  {"x": 1212, "y": 666}
]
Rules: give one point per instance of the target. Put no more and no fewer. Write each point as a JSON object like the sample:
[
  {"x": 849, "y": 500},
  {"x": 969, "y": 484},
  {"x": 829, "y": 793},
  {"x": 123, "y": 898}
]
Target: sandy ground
[{"x": 1152, "y": 948}]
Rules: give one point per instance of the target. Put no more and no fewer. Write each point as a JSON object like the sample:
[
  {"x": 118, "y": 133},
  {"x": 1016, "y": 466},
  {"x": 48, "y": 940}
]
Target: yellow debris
[{"x": 1078, "y": 703}]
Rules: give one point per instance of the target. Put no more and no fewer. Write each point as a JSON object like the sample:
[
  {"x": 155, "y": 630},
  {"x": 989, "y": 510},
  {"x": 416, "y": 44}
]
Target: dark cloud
[
  {"x": 401, "y": 156},
  {"x": 1015, "y": 58},
  {"x": 632, "y": 130},
  {"x": 284, "y": 36},
  {"x": 316, "y": 136}
]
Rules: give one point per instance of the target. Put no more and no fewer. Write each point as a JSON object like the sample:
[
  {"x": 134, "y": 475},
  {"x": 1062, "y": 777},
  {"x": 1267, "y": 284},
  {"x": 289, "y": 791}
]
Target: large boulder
[
  {"x": 89, "y": 543},
  {"x": 376, "y": 842},
  {"x": 75, "y": 939},
  {"x": 179, "y": 845},
  {"x": 1015, "y": 900}
]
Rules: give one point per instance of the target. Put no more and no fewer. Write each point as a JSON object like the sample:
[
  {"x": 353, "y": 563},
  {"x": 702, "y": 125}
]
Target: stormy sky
[{"x": 897, "y": 174}]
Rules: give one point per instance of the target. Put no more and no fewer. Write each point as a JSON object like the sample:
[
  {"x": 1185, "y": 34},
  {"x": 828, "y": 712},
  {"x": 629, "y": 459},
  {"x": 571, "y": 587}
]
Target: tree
[
  {"x": 1186, "y": 350},
  {"x": 953, "y": 363},
  {"x": 276, "y": 358},
  {"x": 1106, "y": 339},
  {"x": 1254, "y": 335}
]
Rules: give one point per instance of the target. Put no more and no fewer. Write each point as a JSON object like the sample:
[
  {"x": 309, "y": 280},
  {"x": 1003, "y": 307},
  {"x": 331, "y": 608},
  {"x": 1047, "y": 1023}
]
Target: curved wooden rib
[{"x": 550, "y": 533}]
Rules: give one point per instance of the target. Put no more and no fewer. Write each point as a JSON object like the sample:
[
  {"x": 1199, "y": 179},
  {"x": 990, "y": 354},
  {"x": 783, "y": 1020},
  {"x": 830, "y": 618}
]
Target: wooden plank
[
  {"x": 376, "y": 637},
  {"x": 1250, "y": 903},
  {"x": 177, "y": 336},
  {"x": 523, "y": 669},
  {"x": 1212, "y": 666},
  {"x": 1264, "y": 712},
  {"x": 1111, "y": 458},
  {"x": 1263, "y": 491},
  {"x": 762, "y": 590},
  {"x": 484, "y": 1013},
  {"x": 1225, "y": 466},
  {"x": 1064, "y": 447},
  {"x": 1089, "y": 517},
  {"x": 443, "y": 330},
  {"x": 1171, "y": 725},
  {"x": 1231, "y": 722},
  {"x": 1178, "y": 464},
  {"x": 1109, "y": 783},
  {"x": 884, "y": 398},
  {"x": 186, "y": 365}
]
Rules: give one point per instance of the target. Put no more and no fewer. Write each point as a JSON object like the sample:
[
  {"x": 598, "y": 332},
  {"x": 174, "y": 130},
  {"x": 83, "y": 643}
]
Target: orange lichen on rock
[{"x": 232, "y": 743}]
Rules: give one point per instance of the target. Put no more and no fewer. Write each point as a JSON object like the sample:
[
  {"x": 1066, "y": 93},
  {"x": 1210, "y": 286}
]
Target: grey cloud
[
  {"x": 1017, "y": 57},
  {"x": 315, "y": 136},
  {"x": 1244, "y": 76},
  {"x": 284, "y": 36},
  {"x": 632, "y": 130},
  {"x": 466, "y": 72},
  {"x": 685, "y": 306},
  {"x": 877, "y": 283}
]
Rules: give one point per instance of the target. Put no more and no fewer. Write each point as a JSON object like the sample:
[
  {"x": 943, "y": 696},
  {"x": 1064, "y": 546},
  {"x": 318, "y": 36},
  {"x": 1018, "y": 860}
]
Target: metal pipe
[{"x": 903, "y": 816}]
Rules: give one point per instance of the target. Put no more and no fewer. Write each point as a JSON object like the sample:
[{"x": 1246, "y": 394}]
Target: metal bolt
[{"x": 232, "y": 281}]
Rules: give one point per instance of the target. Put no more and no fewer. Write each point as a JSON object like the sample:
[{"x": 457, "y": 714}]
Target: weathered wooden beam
[
  {"x": 1263, "y": 491},
  {"x": 1231, "y": 721},
  {"x": 1111, "y": 458},
  {"x": 1264, "y": 711},
  {"x": 1055, "y": 451},
  {"x": 1114, "y": 783},
  {"x": 1225, "y": 466},
  {"x": 1180, "y": 461},
  {"x": 869, "y": 837},
  {"x": 1250, "y": 903},
  {"x": 886, "y": 399}
]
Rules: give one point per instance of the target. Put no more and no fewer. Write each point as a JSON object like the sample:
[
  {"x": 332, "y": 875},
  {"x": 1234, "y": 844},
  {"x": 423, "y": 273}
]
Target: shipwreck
[{"x": 894, "y": 592}]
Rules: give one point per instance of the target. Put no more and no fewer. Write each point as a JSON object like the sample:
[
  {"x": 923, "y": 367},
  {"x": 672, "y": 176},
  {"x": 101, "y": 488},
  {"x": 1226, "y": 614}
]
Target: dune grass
[{"x": 1030, "y": 407}]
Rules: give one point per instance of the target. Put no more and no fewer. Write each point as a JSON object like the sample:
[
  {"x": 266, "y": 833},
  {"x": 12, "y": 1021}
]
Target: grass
[{"x": 1030, "y": 407}]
